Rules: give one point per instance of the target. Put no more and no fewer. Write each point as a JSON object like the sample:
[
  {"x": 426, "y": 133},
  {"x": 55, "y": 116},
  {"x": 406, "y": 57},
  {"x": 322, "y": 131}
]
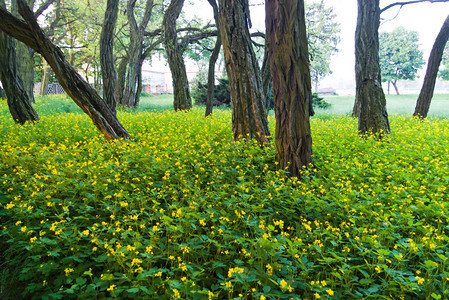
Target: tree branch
[
  {"x": 43, "y": 7},
  {"x": 409, "y": 2}
]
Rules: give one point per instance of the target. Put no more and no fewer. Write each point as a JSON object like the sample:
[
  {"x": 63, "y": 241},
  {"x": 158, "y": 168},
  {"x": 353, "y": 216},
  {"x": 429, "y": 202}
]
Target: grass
[
  {"x": 396, "y": 104},
  {"x": 183, "y": 212}
]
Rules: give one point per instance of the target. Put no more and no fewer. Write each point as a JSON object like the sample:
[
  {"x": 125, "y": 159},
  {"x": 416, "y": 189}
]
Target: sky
[{"x": 425, "y": 18}]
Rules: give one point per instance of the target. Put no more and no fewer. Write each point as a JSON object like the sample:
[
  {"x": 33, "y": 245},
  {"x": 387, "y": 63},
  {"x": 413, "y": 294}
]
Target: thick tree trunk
[
  {"x": 18, "y": 101},
  {"x": 25, "y": 58},
  {"x": 130, "y": 97},
  {"x": 370, "y": 102},
  {"x": 121, "y": 78},
  {"x": 292, "y": 87},
  {"x": 75, "y": 86},
  {"x": 107, "y": 53},
  {"x": 426, "y": 94},
  {"x": 181, "y": 91},
  {"x": 249, "y": 119},
  {"x": 212, "y": 61}
]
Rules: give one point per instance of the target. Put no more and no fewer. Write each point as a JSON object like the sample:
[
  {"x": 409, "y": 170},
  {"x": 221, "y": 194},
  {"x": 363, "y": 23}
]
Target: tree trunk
[
  {"x": 107, "y": 53},
  {"x": 121, "y": 78},
  {"x": 249, "y": 119},
  {"x": 75, "y": 86},
  {"x": 292, "y": 87},
  {"x": 45, "y": 78},
  {"x": 426, "y": 94},
  {"x": 370, "y": 102},
  {"x": 18, "y": 101},
  {"x": 181, "y": 91},
  {"x": 266, "y": 79},
  {"x": 394, "y": 82},
  {"x": 130, "y": 98},
  {"x": 212, "y": 61}
]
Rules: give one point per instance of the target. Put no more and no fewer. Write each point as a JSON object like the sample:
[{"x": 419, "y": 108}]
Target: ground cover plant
[{"x": 183, "y": 212}]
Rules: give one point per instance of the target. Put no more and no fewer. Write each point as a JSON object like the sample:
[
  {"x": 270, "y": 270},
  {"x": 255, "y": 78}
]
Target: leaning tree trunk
[
  {"x": 18, "y": 100},
  {"x": 426, "y": 94},
  {"x": 249, "y": 119},
  {"x": 395, "y": 85},
  {"x": 292, "y": 87},
  {"x": 107, "y": 53},
  {"x": 181, "y": 91},
  {"x": 75, "y": 86},
  {"x": 212, "y": 61},
  {"x": 370, "y": 103}
]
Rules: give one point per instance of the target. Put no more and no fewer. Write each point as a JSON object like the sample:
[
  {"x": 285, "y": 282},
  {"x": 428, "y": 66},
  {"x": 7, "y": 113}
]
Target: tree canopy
[{"x": 399, "y": 55}]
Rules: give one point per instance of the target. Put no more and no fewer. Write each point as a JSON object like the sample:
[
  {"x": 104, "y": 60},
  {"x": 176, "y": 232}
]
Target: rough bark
[
  {"x": 181, "y": 91},
  {"x": 135, "y": 50},
  {"x": 17, "y": 97},
  {"x": 249, "y": 119},
  {"x": 107, "y": 53},
  {"x": 75, "y": 86},
  {"x": 121, "y": 78},
  {"x": 292, "y": 88},
  {"x": 212, "y": 61},
  {"x": 426, "y": 94},
  {"x": 370, "y": 102}
]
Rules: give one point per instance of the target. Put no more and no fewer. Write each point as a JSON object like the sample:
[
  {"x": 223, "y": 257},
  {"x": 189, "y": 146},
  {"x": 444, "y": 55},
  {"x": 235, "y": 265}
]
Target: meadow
[{"x": 183, "y": 212}]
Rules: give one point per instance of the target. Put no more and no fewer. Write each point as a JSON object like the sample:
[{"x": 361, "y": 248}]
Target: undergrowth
[{"x": 181, "y": 211}]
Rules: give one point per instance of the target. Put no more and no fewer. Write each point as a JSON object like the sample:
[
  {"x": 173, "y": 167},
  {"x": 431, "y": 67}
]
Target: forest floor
[{"x": 183, "y": 212}]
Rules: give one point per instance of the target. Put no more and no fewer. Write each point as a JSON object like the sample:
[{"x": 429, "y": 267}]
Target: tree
[
  {"x": 323, "y": 35},
  {"x": 399, "y": 55},
  {"x": 213, "y": 60},
  {"x": 444, "y": 71},
  {"x": 370, "y": 102},
  {"x": 30, "y": 33},
  {"x": 107, "y": 53},
  {"x": 249, "y": 119},
  {"x": 181, "y": 90},
  {"x": 426, "y": 94},
  {"x": 135, "y": 49},
  {"x": 289, "y": 65},
  {"x": 19, "y": 102}
]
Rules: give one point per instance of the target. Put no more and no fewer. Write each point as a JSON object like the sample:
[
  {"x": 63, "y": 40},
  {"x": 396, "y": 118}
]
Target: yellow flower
[
  {"x": 283, "y": 284},
  {"x": 176, "y": 294},
  {"x": 330, "y": 292},
  {"x": 262, "y": 297},
  {"x": 317, "y": 296},
  {"x": 9, "y": 205},
  {"x": 111, "y": 287}
]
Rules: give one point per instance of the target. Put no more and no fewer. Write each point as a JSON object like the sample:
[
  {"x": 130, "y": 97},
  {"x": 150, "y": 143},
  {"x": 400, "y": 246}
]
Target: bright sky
[{"x": 425, "y": 18}]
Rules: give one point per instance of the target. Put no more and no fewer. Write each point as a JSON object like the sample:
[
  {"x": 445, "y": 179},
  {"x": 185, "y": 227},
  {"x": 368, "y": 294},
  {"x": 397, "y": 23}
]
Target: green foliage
[
  {"x": 444, "y": 67},
  {"x": 222, "y": 95},
  {"x": 323, "y": 35},
  {"x": 319, "y": 102},
  {"x": 182, "y": 211},
  {"x": 399, "y": 55}
]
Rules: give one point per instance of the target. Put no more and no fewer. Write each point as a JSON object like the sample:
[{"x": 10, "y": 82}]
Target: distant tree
[
  {"x": 399, "y": 56},
  {"x": 426, "y": 94},
  {"x": 323, "y": 35},
  {"x": 289, "y": 65},
  {"x": 249, "y": 119},
  {"x": 444, "y": 71}
]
